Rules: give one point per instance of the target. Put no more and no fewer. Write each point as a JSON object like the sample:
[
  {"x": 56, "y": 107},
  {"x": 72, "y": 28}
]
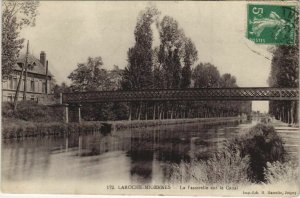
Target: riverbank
[
  {"x": 17, "y": 128},
  {"x": 260, "y": 155},
  {"x": 119, "y": 125}
]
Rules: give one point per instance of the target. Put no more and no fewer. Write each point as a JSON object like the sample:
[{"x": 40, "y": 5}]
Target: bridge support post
[
  {"x": 79, "y": 113},
  {"x": 66, "y": 113},
  {"x": 130, "y": 109}
]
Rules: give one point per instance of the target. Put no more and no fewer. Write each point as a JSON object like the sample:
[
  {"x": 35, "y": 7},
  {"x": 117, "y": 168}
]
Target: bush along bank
[
  {"x": 22, "y": 129},
  {"x": 31, "y": 111},
  {"x": 256, "y": 157},
  {"x": 31, "y": 119}
]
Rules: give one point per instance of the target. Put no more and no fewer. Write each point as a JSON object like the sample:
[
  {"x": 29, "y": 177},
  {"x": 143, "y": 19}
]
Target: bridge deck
[{"x": 242, "y": 94}]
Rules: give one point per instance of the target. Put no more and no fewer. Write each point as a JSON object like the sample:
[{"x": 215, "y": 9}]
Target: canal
[{"x": 128, "y": 156}]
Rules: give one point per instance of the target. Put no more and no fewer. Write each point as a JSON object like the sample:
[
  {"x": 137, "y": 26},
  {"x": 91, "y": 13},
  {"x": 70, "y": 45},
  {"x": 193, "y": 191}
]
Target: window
[
  {"x": 32, "y": 97},
  {"x": 22, "y": 85},
  {"x": 32, "y": 88},
  {"x": 10, "y": 83},
  {"x": 9, "y": 98},
  {"x": 44, "y": 87},
  {"x": 15, "y": 83}
]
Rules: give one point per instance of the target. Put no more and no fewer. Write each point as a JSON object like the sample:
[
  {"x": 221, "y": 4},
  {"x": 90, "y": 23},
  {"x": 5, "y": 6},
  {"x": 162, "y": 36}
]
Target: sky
[{"x": 71, "y": 31}]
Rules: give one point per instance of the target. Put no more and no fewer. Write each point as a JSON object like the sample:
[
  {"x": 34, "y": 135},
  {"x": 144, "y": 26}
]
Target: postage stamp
[{"x": 271, "y": 24}]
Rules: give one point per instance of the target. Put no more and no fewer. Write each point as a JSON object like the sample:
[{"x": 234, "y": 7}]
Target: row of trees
[
  {"x": 91, "y": 76},
  {"x": 169, "y": 66},
  {"x": 285, "y": 73},
  {"x": 166, "y": 66}
]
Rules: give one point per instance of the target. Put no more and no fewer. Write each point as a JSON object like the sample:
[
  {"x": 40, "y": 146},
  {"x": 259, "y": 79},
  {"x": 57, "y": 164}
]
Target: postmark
[{"x": 271, "y": 24}]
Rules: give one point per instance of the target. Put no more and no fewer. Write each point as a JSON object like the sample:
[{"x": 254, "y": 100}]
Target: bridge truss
[{"x": 194, "y": 94}]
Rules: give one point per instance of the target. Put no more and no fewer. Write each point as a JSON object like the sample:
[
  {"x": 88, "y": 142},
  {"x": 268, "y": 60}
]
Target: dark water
[{"x": 131, "y": 156}]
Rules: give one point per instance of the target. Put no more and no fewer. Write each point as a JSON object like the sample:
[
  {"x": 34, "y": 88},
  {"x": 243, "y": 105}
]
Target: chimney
[{"x": 43, "y": 58}]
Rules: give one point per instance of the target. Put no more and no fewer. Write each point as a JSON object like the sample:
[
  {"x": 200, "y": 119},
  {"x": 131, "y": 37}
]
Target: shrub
[
  {"x": 221, "y": 168},
  {"x": 281, "y": 172},
  {"x": 253, "y": 157},
  {"x": 7, "y": 110},
  {"x": 31, "y": 111},
  {"x": 263, "y": 145}
]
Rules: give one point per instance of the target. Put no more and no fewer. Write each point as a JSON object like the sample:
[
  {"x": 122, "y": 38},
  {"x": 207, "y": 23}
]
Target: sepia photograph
[{"x": 177, "y": 98}]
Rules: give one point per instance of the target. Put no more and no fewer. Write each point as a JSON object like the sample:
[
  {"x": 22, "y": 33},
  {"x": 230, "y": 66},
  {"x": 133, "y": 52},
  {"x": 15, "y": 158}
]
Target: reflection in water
[{"x": 132, "y": 156}]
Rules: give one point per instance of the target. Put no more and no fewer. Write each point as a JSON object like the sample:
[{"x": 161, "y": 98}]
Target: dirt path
[{"x": 290, "y": 136}]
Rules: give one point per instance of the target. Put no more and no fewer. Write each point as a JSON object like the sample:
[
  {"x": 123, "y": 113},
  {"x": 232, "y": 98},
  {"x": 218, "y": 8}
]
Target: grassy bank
[
  {"x": 256, "y": 157},
  {"x": 16, "y": 128},
  {"x": 118, "y": 125},
  {"x": 32, "y": 119}
]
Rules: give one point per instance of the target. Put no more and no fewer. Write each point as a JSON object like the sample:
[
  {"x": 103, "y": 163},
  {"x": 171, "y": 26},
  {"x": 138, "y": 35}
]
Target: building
[{"x": 38, "y": 81}]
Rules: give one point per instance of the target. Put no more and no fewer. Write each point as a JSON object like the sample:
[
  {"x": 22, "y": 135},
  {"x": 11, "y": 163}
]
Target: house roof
[{"x": 36, "y": 67}]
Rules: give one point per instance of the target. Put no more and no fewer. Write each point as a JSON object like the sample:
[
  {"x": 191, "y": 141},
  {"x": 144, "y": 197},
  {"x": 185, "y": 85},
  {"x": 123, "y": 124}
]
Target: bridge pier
[
  {"x": 66, "y": 113},
  {"x": 72, "y": 113}
]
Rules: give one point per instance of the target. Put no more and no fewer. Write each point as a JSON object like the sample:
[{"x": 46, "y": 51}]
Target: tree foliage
[
  {"x": 190, "y": 57},
  {"x": 138, "y": 73},
  {"x": 227, "y": 80},
  {"x": 24, "y": 11},
  {"x": 285, "y": 73},
  {"x": 175, "y": 55},
  {"x": 90, "y": 76},
  {"x": 206, "y": 76},
  {"x": 15, "y": 16},
  {"x": 11, "y": 44}
]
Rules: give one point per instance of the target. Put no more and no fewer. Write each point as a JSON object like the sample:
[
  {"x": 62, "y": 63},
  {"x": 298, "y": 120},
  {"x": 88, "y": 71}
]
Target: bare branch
[{"x": 256, "y": 52}]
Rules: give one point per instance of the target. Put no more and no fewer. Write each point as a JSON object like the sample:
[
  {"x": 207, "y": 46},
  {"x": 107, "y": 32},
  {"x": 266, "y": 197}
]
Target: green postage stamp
[{"x": 271, "y": 24}]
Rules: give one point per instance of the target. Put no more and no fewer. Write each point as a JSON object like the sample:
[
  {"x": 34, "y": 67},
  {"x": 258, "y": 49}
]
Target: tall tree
[
  {"x": 15, "y": 16},
  {"x": 138, "y": 73},
  {"x": 11, "y": 44},
  {"x": 177, "y": 54},
  {"x": 170, "y": 51},
  {"x": 190, "y": 57}
]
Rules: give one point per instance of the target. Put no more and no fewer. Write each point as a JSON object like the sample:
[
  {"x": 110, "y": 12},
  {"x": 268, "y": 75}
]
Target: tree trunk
[
  {"x": 139, "y": 111},
  {"x": 296, "y": 111},
  {"x": 292, "y": 112},
  {"x": 154, "y": 108},
  {"x": 18, "y": 89},
  {"x": 146, "y": 111},
  {"x": 26, "y": 67}
]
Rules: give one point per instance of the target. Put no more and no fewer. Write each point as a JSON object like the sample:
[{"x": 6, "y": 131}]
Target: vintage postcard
[{"x": 150, "y": 98}]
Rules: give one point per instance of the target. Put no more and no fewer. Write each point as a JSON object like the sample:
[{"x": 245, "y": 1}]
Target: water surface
[{"x": 131, "y": 156}]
